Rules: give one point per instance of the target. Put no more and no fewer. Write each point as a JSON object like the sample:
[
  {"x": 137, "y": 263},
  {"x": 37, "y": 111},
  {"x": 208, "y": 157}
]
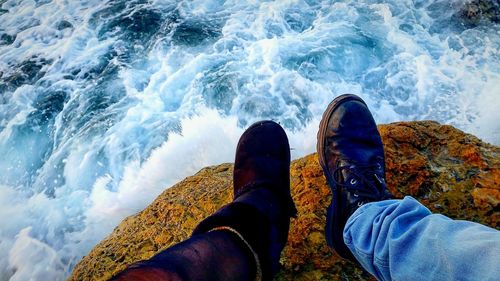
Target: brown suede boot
[{"x": 262, "y": 205}]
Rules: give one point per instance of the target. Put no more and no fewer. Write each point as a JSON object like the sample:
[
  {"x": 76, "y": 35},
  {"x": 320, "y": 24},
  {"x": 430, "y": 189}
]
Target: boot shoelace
[{"x": 370, "y": 174}]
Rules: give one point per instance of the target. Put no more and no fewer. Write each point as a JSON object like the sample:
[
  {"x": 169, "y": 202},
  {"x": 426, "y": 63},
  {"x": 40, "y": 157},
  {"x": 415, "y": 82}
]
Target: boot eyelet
[
  {"x": 353, "y": 181},
  {"x": 379, "y": 166},
  {"x": 380, "y": 179},
  {"x": 356, "y": 195},
  {"x": 360, "y": 203}
]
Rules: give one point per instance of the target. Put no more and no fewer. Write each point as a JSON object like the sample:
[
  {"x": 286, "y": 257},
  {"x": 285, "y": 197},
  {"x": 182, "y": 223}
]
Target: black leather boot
[
  {"x": 351, "y": 153},
  {"x": 262, "y": 205}
]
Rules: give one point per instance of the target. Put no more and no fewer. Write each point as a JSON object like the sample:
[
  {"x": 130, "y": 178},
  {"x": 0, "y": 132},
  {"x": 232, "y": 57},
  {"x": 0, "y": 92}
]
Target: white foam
[
  {"x": 206, "y": 139},
  {"x": 31, "y": 259}
]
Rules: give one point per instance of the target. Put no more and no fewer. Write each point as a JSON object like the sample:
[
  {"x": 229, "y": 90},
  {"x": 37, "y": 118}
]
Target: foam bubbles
[
  {"x": 206, "y": 139},
  {"x": 31, "y": 259}
]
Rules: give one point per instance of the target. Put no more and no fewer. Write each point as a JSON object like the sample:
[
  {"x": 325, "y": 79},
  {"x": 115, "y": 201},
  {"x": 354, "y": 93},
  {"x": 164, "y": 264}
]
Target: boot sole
[{"x": 332, "y": 221}]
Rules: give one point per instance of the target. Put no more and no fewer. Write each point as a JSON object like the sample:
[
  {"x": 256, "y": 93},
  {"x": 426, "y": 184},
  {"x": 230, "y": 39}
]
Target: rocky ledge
[{"x": 451, "y": 172}]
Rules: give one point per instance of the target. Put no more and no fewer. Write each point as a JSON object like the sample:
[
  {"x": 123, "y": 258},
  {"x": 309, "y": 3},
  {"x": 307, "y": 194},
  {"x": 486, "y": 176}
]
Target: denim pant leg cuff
[{"x": 358, "y": 237}]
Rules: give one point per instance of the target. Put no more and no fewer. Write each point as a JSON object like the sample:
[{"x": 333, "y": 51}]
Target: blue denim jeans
[{"x": 403, "y": 240}]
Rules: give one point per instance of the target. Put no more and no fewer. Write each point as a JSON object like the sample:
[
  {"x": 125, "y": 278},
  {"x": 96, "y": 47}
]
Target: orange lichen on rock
[
  {"x": 486, "y": 197},
  {"x": 451, "y": 172}
]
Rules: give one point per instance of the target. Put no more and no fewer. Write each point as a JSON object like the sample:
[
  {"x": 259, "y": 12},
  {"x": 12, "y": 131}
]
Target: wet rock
[
  {"x": 27, "y": 72},
  {"x": 63, "y": 25},
  {"x": 480, "y": 10},
  {"x": 7, "y": 39},
  {"x": 449, "y": 171}
]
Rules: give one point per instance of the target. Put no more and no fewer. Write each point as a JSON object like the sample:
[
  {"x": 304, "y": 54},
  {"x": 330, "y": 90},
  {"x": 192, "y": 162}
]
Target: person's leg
[
  {"x": 392, "y": 239},
  {"x": 216, "y": 255},
  {"x": 351, "y": 153},
  {"x": 244, "y": 239},
  {"x": 403, "y": 240}
]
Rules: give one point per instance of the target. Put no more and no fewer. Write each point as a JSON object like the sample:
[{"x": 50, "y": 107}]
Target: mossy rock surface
[
  {"x": 450, "y": 172},
  {"x": 476, "y": 12}
]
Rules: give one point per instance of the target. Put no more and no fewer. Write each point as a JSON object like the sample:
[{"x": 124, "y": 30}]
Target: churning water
[{"x": 103, "y": 104}]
